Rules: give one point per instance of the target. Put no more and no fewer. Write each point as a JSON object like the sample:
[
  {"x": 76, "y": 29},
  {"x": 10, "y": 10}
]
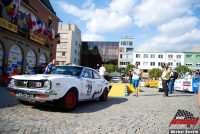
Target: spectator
[
  {"x": 102, "y": 70},
  {"x": 135, "y": 78},
  {"x": 199, "y": 96},
  {"x": 50, "y": 67},
  {"x": 43, "y": 67},
  {"x": 187, "y": 75},
  {"x": 16, "y": 72},
  {"x": 183, "y": 75}
]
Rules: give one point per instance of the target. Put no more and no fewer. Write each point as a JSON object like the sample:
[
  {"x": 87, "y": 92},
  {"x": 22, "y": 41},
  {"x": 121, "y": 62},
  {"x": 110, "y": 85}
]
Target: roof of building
[
  {"x": 48, "y": 4},
  {"x": 195, "y": 49}
]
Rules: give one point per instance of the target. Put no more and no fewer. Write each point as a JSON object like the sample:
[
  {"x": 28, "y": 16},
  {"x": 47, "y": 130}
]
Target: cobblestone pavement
[{"x": 148, "y": 113}]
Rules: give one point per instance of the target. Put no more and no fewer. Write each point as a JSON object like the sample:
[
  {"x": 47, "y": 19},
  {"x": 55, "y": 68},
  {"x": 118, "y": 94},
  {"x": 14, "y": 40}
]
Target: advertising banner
[
  {"x": 30, "y": 62},
  {"x": 42, "y": 59}
]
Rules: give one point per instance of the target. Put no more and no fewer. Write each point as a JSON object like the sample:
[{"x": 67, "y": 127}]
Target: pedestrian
[
  {"x": 199, "y": 96},
  {"x": 173, "y": 76},
  {"x": 102, "y": 70},
  {"x": 50, "y": 67},
  {"x": 130, "y": 75},
  {"x": 165, "y": 78},
  {"x": 135, "y": 78}
]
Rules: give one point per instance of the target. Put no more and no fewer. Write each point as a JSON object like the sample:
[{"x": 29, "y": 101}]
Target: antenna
[{"x": 69, "y": 23}]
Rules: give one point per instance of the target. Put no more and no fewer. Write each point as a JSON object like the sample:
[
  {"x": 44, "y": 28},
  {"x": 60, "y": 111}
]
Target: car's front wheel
[
  {"x": 69, "y": 101},
  {"x": 104, "y": 95}
]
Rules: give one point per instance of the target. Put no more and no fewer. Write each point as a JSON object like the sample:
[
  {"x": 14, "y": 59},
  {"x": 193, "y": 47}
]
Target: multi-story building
[
  {"x": 150, "y": 60},
  {"x": 69, "y": 49},
  {"x": 94, "y": 54},
  {"x": 19, "y": 45},
  {"x": 125, "y": 52},
  {"x": 192, "y": 58}
]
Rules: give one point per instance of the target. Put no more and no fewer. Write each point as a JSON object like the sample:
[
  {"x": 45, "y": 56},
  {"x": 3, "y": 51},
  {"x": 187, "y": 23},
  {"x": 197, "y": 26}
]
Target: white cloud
[
  {"x": 88, "y": 3},
  {"x": 155, "y": 12},
  {"x": 178, "y": 26},
  {"x": 176, "y": 43},
  {"x": 92, "y": 37}
]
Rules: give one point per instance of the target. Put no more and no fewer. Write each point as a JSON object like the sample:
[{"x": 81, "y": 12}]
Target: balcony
[
  {"x": 37, "y": 39},
  {"x": 8, "y": 25}
]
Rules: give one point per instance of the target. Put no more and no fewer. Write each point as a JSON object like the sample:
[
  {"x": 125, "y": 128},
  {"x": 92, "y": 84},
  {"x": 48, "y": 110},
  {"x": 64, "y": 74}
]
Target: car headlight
[
  {"x": 47, "y": 85},
  {"x": 12, "y": 83}
]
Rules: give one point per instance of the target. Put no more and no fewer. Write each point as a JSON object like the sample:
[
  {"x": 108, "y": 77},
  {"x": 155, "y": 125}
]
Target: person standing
[
  {"x": 130, "y": 75},
  {"x": 165, "y": 79},
  {"x": 102, "y": 70},
  {"x": 15, "y": 71},
  {"x": 173, "y": 77},
  {"x": 135, "y": 78},
  {"x": 199, "y": 96},
  {"x": 50, "y": 67}
]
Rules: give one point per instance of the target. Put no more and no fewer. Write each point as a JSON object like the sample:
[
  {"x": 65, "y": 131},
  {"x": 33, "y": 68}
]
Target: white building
[
  {"x": 150, "y": 60},
  {"x": 68, "y": 51},
  {"x": 125, "y": 52}
]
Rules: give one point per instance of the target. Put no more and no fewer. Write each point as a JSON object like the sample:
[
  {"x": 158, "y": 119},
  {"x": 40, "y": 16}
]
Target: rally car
[{"x": 65, "y": 86}]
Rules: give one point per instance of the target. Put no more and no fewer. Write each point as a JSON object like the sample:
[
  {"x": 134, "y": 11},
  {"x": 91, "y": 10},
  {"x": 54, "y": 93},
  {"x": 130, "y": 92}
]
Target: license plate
[{"x": 25, "y": 95}]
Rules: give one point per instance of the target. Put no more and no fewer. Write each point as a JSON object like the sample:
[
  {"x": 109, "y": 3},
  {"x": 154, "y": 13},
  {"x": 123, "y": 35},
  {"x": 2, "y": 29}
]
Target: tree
[
  {"x": 155, "y": 72},
  {"x": 182, "y": 68},
  {"x": 127, "y": 69},
  {"x": 111, "y": 68}
]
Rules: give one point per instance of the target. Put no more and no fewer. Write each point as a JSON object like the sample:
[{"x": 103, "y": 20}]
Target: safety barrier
[{"x": 153, "y": 83}]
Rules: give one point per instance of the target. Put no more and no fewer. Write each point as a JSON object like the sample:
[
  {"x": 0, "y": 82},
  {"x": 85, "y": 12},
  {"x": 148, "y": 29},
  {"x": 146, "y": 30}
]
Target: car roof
[{"x": 74, "y": 65}]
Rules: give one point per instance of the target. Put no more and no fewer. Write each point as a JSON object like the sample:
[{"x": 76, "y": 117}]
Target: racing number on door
[{"x": 89, "y": 88}]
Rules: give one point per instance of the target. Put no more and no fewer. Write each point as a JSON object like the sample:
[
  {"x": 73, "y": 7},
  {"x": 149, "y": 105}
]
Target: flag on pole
[
  {"x": 34, "y": 23},
  {"x": 50, "y": 21},
  {"x": 29, "y": 21},
  {"x": 57, "y": 37},
  {"x": 16, "y": 4},
  {"x": 23, "y": 17}
]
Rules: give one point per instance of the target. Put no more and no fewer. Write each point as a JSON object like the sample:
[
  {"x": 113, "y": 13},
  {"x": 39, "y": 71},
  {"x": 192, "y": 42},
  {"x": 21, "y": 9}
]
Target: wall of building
[{"x": 192, "y": 60}]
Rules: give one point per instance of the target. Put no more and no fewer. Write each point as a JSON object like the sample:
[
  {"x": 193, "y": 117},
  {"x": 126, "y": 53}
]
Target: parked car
[
  {"x": 115, "y": 80},
  {"x": 65, "y": 86}
]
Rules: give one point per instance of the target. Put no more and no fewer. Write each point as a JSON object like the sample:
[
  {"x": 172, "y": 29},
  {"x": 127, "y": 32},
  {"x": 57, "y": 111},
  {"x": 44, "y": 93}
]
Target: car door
[
  {"x": 98, "y": 84},
  {"x": 88, "y": 84}
]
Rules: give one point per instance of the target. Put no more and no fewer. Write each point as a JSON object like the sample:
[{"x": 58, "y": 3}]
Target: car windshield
[{"x": 67, "y": 70}]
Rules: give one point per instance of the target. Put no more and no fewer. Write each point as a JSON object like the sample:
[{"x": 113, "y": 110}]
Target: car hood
[{"x": 41, "y": 77}]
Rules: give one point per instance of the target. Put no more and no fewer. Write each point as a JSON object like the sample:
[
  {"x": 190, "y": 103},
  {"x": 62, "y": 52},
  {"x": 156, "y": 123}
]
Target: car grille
[{"x": 29, "y": 84}]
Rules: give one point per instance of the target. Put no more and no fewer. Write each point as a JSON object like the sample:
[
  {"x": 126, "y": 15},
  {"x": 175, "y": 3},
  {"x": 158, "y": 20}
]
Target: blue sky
[{"x": 155, "y": 25}]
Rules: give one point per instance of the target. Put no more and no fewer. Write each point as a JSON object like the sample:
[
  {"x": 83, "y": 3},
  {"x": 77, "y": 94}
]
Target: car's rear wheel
[
  {"x": 104, "y": 95},
  {"x": 69, "y": 101}
]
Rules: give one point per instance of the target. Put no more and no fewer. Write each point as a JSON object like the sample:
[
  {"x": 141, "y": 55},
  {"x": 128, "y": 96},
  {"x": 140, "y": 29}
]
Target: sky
[{"x": 155, "y": 25}]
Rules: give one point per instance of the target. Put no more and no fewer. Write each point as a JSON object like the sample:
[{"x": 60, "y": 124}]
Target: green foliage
[
  {"x": 126, "y": 72},
  {"x": 155, "y": 72},
  {"x": 182, "y": 68},
  {"x": 111, "y": 68}
]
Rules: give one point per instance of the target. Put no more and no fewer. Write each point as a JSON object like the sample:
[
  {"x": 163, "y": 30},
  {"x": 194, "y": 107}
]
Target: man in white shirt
[
  {"x": 102, "y": 70},
  {"x": 135, "y": 78}
]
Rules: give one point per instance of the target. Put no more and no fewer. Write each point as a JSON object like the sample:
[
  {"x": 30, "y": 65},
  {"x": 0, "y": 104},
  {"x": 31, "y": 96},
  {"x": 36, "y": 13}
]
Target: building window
[
  {"x": 170, "y": 63},
  {"x": 124, "y": 63},
  {"x": 123, "y": 43},
  {"x": 160, "y": 56},
  {"x": 120, "y": 56},
  {"x": 130, "y": 43},
  {"x": 178, "y": 56},
  {"x": 61, "y": 63},
  {"x": 188, "y": 56},
  {"x": 64, "y": 36},
  {"x": 78, "y": 61},
  {"x": 78, "y": 53},
  {"x": 178, "y": 64},
  {"x": 137, "y": 55},
  {"x": 76, "y": 43},
  {"x": 152, "y": 55},
  {"x": 75, "y": 51},
  {"x": 152, "y": 63},
  {"x": 188, "y": 64},
  {"x": 197, "y": 56},
  {"x": 75, "y": 60},
  {"x": 170, "y": 56},
  {"x": 62, "y": 45},
  {"x": 145, "y": 63},
  {"x": 60, "y": 54},
  {"x": 145, "y": 56},
  {"x": 129, "y": 49},
  {"x": 198, "y": 64},
  {"x": 145, "y": 71},
  {"x": 79, "y": 45},
  {"x": 138, "y": 62},
  {"x": 160, "y": 63}
]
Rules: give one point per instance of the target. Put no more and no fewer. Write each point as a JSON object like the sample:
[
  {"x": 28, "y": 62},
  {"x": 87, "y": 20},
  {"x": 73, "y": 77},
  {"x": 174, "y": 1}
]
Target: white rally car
[{"x": 64, "y": 86}]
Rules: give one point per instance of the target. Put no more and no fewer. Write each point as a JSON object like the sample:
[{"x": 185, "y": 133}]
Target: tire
[
  {"x": 69, "y": 101},
  {"x": 24, "y": 102},
  {"x": 104, "y": 95}
]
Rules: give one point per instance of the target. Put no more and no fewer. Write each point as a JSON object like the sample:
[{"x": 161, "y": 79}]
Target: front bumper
[{"x": 31, "y": 94}]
